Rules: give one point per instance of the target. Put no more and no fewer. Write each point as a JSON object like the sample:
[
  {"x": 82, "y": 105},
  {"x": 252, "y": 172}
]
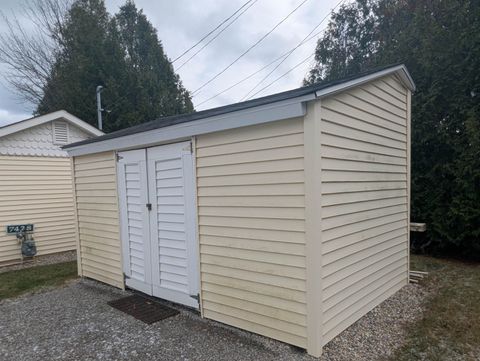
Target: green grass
[
  {"x": 450, "y": 326},
  {"x": 15, "y": 283}
]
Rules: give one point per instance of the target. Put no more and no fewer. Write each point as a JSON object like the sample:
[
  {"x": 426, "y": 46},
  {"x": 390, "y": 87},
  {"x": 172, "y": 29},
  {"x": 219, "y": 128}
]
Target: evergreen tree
[
  {"x": 87, "y": 58},
  {"x": 440, "y": 44},
  {"x": 154, "y": 89},
  {"x": 121, "y": 53}
]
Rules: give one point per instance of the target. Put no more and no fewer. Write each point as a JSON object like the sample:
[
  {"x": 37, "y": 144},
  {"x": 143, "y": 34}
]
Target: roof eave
[
  {"x": 42, "y": 119},
  {"x": 289, "y": 108},
  {"x": 400, "y": 70},
  {"x": 269, "y": 112}
]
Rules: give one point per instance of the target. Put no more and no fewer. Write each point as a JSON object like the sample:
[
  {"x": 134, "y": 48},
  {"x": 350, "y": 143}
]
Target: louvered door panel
[
  {"x": 173, "y": 238},
  {"x": 133, "y": 196}
]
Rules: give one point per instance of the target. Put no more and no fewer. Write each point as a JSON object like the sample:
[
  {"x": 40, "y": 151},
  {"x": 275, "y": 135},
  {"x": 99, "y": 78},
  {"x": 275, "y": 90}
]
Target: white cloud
[
  {"x": 8, "y": 117},
  {"x": 183, "y": 22}
]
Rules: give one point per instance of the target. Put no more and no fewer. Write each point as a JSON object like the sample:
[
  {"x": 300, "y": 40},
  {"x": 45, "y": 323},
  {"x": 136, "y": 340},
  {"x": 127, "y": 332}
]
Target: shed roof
[{"x": 115, "y": 140}]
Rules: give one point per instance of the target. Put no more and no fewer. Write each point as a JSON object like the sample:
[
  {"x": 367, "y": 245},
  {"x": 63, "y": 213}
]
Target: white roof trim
[
  {"x": 400, "y": 70},
  {"x": 274, "y": 111},
  {"x": 60, "y": 114},
  {"x": 285, "y": 109}
]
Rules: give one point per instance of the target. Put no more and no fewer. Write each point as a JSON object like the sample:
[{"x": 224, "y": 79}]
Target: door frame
[{"x": 191, "y": 223}]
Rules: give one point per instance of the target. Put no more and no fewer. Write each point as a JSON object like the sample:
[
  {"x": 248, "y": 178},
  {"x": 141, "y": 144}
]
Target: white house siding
[
  {"x": 364, "y": 200},
  {"x": 98, "y": 218},
  {"x": 36, "y": 190},
  {"x": 38, "y": 141},
  {"x": 251, "y": 228}
]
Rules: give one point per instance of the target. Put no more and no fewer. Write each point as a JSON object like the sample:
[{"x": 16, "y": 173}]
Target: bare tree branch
[{"x": 30, "y": 55}]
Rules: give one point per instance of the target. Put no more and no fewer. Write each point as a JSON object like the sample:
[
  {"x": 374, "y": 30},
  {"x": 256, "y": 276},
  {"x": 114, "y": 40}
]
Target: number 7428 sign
[{"x": 16, "y": 228}]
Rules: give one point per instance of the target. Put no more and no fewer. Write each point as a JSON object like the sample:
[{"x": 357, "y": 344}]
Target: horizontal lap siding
[
  {"x": 364, "y": 200},
  {"x": 36, "y": 190},
  {"x": 251, "y": 225},
  {"x": 98, "y": 219}
]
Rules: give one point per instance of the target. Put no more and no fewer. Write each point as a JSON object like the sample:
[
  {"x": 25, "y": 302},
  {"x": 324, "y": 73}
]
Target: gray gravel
[
  {"x": 75, "y": 323},
  {"x": 381, "y": 331},
  {"x": 42, "y": 260}
]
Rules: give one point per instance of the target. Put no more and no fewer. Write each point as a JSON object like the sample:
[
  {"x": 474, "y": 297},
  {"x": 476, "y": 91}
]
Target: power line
[
  {"x": 259, "y": 70},
  {"x": 290, "y": 53},
  {"x": 284, "y": 74},
  {"x": 216, "y": 36},
  {"x": 212, "y": 31},
  {"x": 250, "y": 48}
]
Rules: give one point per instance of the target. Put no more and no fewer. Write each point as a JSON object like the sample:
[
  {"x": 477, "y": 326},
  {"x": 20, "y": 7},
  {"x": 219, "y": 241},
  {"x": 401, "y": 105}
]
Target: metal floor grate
[{"x": 143, "y": 309}]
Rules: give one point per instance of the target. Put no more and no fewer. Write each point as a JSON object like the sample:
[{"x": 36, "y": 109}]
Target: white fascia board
[
  {"x": 81, "y": 124},
  {"x": 60, "y": 114},
  {"x": 400, "y": 70},
  {"x": 290, "y": 108}
]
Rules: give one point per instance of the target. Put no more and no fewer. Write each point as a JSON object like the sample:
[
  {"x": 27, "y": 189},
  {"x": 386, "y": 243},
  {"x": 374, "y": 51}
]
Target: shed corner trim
[{"x": 313, "y": 228}]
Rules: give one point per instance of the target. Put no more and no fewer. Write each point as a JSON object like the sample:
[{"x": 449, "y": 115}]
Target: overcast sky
[{"x": 181, "y": 23}]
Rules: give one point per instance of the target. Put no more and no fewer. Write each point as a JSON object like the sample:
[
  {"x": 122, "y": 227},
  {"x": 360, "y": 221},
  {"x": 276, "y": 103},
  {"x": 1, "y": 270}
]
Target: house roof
[
  {"x": 171, "y": 126},
  {"x": 34, "y": 121}
]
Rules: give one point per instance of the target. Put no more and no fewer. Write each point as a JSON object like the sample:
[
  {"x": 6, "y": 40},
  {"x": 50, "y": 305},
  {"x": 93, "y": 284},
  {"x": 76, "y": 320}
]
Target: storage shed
[
  {"x": 286, "y": 215},
  {"x": 36, "y": 182}
]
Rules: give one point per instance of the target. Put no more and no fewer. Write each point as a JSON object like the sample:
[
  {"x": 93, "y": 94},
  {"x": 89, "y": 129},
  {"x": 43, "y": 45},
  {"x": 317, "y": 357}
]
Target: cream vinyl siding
[
  {"x": 251, "y": 228},
  {"x": 364, "y": 139},
  {"x": 36, "y": 190},
  {"x": 98, "y": 219}
]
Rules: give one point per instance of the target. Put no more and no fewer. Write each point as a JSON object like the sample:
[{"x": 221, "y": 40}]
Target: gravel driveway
[{"x": 75, "y": 323}]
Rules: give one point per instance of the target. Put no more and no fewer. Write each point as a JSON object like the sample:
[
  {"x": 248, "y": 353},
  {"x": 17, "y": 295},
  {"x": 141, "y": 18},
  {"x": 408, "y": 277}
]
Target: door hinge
[
  {"x": 149, "y": 206},
  {"x": 125, "y": 277},
  {"x": 196, "y": 297},
  {"x": 119, "y": 157}
]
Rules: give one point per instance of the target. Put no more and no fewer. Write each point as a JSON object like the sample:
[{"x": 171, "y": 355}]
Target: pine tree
[
  {"x": 87, "y": 58},
  {"x": 154, "y": 88},
  {"x": 124, "y": 55}
]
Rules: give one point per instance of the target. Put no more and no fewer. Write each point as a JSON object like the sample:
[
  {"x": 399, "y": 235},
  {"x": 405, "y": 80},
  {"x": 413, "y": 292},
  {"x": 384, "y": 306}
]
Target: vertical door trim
[
  {"x": 153, "y": 225},
  {"x": 190, "y": 221},
  {"x": 122, "y": 205}
]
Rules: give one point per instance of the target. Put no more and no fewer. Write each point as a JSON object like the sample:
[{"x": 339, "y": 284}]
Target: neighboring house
[
  {"x": 36, "y": 182},
  {"x": 286, "y": 215}
]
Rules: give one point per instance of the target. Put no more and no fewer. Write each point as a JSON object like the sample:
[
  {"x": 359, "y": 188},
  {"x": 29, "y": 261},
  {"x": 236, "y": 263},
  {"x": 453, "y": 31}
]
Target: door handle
[{"x": 149, "y": 206}]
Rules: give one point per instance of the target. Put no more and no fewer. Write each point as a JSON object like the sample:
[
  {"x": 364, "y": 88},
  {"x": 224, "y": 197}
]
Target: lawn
[
  {"x": 14, "y": 283},
  {"x": 450, "y": 326}
]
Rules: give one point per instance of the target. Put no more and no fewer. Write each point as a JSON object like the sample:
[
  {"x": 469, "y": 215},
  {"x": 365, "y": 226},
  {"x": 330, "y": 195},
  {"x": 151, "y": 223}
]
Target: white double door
[{"x": 158, "y": 222}]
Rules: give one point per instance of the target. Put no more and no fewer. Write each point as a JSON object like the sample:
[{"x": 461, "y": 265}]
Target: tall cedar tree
[
  {"x": 154, "y": 89},
  {"x": 439, "y": 42},
  {"x": 121, "y": 53}
]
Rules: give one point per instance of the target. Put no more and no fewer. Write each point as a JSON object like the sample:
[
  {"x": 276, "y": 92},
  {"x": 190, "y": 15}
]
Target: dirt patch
[{"x": 42, "y": 260}]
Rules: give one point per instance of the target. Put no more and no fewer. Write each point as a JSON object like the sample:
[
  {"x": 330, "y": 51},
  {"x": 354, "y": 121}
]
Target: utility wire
[
  {"x": 212, "y": 31},
  {"x": 250, "y": 48},
  {"x": 284, "y": 74},
  {"x": 259, "y": 70},
  {"x": 216, "y": 36},
  {"x": 290, "y": 53}
]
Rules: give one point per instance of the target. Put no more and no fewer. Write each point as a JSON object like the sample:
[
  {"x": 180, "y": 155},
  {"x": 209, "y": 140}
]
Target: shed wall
[
  {"x": 36, "y": 190},
  {"x": 364, "y": 211},
  {"x": 251, "y": 228},
  {"x": 98, "y": 218}
]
